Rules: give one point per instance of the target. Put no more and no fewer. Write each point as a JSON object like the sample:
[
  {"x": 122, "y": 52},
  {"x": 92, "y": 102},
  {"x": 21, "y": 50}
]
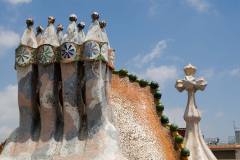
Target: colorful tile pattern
[
  {"x": 68, "y": 52},
  {"x": 23, "y": 56},
  {"x": 46, "y": 55}
]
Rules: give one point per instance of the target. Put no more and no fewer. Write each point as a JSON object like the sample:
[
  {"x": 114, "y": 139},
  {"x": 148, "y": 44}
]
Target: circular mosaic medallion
[
  {"x": 46, "y": 54},
  {"x": 92, "y": 49},
  {"x": 68, "y": 52},
  {"x": 23, "y": 56}
]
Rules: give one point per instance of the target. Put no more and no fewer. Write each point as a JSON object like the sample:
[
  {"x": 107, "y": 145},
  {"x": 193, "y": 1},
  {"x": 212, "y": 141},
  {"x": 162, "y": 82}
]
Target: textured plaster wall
[{"x": 140, "y": 131}]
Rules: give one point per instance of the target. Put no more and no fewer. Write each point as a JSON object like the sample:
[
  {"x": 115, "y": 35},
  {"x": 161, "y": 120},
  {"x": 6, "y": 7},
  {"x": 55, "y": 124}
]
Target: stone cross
[{"x": 193, "y": 137}]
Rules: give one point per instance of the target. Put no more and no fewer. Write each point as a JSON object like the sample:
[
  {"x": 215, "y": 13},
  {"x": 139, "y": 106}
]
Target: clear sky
[{"x": 154, "y": 39}]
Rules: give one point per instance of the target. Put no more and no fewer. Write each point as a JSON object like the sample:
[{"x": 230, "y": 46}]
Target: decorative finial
[
  {"x": 190, "y": 70},
  {"x": 29, "y": 22},
  {"x": 95, "y": 16},
  {"x": 60, "y": 27},
  {"x": 81, "y": 25},
  {"x": 51, "y": 20},
  {"x": 103, "y": 24},
  {"x": 73, "y": 17},
  {"x": 39, "y": 29},
  {"x": 190, "y": 82}
]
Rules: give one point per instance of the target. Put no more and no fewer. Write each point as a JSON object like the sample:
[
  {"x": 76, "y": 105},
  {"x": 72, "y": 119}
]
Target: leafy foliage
[
  {"x": 178, "y": 139},
  {"x": 173, "y": 128},
  {"x": 164, "y": 119},
  {"x": 185, "y": 152},
  {"x": 132, "y": 78},
  {"x": 160, "y": 107},
  {"x": 157, "y": 95},
  {"x": 123, "y": 73},
  {"x": 143, "y": 83},
  {"x": 154, "y": 85}
]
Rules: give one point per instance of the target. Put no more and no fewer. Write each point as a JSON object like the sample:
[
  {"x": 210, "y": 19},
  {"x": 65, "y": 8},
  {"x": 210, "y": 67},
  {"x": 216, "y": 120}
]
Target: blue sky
[{"x": 154, "y": 39}]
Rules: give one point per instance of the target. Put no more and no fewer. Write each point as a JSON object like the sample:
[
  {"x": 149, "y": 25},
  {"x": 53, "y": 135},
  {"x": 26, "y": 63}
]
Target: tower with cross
[{"x": 193, "y": 137}]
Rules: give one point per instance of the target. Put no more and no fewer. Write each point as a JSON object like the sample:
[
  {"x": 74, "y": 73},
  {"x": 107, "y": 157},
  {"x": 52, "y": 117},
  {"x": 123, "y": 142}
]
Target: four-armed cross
[{"x": 193, "y": 137}]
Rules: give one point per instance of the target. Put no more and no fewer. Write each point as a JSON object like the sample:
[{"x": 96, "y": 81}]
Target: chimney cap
[
  {"x": 29, "y": 22},
  {"x": 73, "y": 17},
  {"x": 95, "y": 15},
  {"x": 81, "y": 25},
  {"x": 51, "y": 19},
  {"x": 103, "y": 24},
  {"x": 39, "y": 29},
  {"x": 60, "y": 27}
]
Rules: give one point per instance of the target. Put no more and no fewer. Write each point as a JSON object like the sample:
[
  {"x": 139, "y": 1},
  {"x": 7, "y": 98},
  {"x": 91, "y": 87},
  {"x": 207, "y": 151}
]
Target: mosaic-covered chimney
[{"x": 63, "y": 83}]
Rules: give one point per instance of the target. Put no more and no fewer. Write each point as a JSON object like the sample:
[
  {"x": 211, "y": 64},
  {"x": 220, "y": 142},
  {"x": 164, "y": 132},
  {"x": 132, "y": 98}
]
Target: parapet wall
[{"x": 140, "y": 131}]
